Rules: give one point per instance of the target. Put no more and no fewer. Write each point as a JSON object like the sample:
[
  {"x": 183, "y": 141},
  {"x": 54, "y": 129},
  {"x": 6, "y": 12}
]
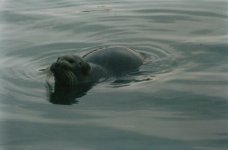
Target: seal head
[{"x": 69, "y": 70}]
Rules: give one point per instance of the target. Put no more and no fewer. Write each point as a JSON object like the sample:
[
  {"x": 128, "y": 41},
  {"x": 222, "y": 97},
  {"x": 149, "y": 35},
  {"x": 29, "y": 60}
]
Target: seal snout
[
  {"x": 59, "y": 65},
  {"x": 53, "y": 68},
  {"x": 63, "y": 72}
]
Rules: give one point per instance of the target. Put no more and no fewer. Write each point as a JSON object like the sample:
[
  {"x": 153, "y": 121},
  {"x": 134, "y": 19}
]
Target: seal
[
  {"x": 79, "y": 74},
  {"x": 71, "y": 70}
]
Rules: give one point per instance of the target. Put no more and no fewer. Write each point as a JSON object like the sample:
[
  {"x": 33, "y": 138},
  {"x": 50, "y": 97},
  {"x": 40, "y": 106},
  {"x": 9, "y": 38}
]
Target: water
[{"x": 182, "y": 105}]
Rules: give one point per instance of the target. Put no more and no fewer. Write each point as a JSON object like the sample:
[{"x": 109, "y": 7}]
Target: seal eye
[
  {"x": 71, "y": 61},
  {"x": 80, "y": 64}
]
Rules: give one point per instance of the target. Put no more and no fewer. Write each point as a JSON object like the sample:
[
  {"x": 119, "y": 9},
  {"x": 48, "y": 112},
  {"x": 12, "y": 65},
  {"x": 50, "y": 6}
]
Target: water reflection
[{"x": 65, "y": 95}]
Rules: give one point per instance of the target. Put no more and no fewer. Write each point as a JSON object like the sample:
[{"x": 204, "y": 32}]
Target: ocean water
[{"x": 178, "y": 102}]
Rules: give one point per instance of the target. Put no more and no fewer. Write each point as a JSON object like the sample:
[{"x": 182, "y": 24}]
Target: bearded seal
[{"x": 75, "y": 75}]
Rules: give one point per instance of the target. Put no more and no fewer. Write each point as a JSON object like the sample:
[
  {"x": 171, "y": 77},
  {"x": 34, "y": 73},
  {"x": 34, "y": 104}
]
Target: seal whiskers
[{"x": 71, "y": 79}]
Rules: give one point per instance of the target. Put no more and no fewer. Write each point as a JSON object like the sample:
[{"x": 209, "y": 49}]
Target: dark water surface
[{"x": 179, "y": 102}]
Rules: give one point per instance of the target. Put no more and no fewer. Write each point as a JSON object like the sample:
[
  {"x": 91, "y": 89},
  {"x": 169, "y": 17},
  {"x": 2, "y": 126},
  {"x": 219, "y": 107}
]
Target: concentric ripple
[{"x": 24, "y": 77}]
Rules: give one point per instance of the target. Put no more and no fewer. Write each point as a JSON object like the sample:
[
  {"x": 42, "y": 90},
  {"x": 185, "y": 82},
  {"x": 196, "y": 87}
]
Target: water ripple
[
  {"x": 24, "y": 71},
  {"x": 183, "y": 12},
  {"x": 178, "y": 97}
]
